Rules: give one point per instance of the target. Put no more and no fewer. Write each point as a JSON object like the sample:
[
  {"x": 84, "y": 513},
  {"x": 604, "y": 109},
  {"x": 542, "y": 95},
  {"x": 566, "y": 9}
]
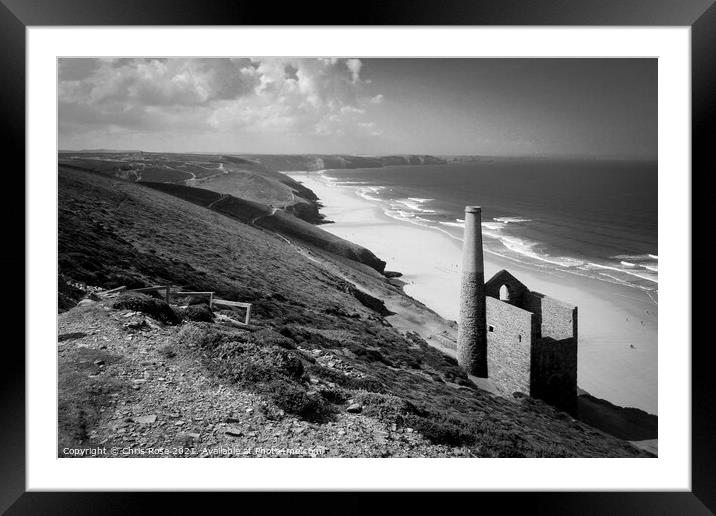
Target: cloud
[
  {"x": 242, "y": 95},
  {"x": 354, "y": 65},
  {"x": 352, "y": 110}
]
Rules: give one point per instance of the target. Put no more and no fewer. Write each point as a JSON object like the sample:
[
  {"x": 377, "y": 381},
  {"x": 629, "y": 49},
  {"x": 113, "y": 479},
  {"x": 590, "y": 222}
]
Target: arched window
[{"x": 504, "y": 293}]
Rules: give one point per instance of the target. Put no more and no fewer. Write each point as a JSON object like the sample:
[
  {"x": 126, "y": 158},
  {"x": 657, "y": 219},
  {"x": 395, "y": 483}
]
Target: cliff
[{"x": 291, "y": 162}]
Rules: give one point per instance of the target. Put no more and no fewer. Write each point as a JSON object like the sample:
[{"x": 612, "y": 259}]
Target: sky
[{"x": 496, "y": 107}]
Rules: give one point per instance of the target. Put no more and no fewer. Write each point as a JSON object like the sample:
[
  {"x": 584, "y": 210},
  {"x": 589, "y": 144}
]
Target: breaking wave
[{"x": 505, "y": 237}]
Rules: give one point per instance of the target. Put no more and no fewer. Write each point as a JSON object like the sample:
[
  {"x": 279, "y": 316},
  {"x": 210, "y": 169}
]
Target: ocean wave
[
  {"x": 635, "y": 270},
  {"x": 519, "y": 246},
  {"x": 370, "y": 192},
  {"x": 414, "y": 218},
  {"x": 514, "y": 220},
  {"x": 643, "y": 263},
  {"x": 642, "y": 275},
  {"x": 637, "y": 257},
  {"x": 414, "y": 205}
]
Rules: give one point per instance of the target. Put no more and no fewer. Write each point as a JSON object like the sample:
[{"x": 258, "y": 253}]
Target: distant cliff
[{"x": 291, "y": 162}]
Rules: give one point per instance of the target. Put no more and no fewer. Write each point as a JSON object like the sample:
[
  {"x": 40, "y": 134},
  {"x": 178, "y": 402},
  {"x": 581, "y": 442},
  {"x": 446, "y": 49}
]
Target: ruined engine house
[{"x": 524, "y": 341}]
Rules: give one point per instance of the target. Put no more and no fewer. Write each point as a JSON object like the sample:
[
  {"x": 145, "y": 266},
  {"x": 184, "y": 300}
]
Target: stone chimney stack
[{"x": 472, "y": 326}]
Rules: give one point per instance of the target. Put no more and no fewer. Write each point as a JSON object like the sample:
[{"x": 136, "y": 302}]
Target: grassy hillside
[
  {"x": 280, "y": 222},
  {"x": 322, "y": 364},
  {"x": 252, "y": 177},
  {"x": 234, "y": 175}
]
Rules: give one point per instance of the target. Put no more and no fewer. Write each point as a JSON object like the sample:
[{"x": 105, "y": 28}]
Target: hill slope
[
  {"x": 245, "y": 178},
  {"x": 278, "y": 221},
  {"x": 320, "y": 365}
]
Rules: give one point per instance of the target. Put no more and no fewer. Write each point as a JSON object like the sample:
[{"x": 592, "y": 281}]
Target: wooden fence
[{"x": 232, "y": 305}]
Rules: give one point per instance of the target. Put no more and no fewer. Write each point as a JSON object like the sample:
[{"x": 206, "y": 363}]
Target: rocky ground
[{"x": 164, "y": 402}]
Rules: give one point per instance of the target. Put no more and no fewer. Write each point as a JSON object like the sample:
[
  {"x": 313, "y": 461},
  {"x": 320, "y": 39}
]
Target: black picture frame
[{"x": 17, "y": 15}]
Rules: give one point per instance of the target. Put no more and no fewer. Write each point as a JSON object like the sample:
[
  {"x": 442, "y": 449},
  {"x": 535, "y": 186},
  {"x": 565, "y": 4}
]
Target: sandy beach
[{"x": 617, "y": 324}]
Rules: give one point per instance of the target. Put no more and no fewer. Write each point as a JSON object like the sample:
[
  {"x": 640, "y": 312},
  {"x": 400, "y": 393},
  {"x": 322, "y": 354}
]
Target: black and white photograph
[{"x": 266, "y": 257}]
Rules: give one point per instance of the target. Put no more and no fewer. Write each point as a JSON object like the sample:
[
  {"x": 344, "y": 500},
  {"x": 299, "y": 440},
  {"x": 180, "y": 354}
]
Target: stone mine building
[{"x": 522, "y": 340}]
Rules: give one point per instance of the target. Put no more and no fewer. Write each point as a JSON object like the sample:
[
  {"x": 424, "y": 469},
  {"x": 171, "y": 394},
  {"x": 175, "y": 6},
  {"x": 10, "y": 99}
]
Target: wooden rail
[
  {"x": 167, "y": 291},
  {"x": 156, "y": 288},
  {"x": 210, "y": 294},
  {"x": 234, "y": 304},
  {"x": 112, "y": 291}
]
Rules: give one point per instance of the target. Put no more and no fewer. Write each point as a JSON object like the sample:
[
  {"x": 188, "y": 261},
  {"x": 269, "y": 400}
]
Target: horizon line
[{"x": 437, "y": 155}]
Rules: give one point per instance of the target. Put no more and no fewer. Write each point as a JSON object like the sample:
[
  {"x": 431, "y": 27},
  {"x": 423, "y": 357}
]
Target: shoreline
[{"x": 617, "y": 324}]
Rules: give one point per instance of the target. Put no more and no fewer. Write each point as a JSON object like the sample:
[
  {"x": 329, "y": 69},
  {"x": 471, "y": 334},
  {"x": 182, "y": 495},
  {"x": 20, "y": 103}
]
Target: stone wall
[
  {"x": 554, "y": 372},
  {"x": 554, "y": 355},
  {"x": 509, "y": 339},
  {"x": 555, "y": 318},
  {"x": 515, "y": 288}
]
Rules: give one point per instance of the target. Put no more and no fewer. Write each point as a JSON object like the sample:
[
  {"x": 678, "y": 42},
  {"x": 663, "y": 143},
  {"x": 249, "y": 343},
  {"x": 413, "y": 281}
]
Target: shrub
[
  {"x": 385, "y": 407},
  {"x": 441, "y": 430},
  {"x": 209, "y": 337},
  {"x": 199, "y": 313},
  {"x": 271, "y": 338},
  {"x": 334, "y": 396},
  {"x": 294, "y": 400},
  {"x": 259, "y": 362},
  {"x": 435, "y": 427},
  {"x": 333, "y": 376},
  {"x": 247, "y": 363},
  {"x": 197, "y": 300},
  {"x": 153, "y": 307}
]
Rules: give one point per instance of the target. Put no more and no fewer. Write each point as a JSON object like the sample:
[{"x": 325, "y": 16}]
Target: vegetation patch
[
  {"x": 153, "y": 307},
  {"x": 264, "y": 362},
  {"x": 199, "y": 312},
  {"x": 345, "y": 381},
  {"x": 70, "y": 336},
  {"x": 486, "y": 437},
  {"x": 67, "y": 294},
  {"x": 295, "y": 400}
]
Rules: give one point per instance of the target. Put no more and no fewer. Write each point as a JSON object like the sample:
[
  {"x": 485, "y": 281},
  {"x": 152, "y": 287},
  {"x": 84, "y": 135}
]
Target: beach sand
[{"x": 617, "y": 324}]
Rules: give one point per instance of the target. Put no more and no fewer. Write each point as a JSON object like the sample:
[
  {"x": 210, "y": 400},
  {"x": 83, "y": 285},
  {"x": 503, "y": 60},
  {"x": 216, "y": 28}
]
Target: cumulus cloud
[
  {"x": 354, "y": 65},
  {"x": 317, "y": 96}
]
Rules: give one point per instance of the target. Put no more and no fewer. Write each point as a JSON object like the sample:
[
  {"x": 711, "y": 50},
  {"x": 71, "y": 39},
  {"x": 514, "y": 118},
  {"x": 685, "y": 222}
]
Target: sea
[{"x": 589, "y": 217}]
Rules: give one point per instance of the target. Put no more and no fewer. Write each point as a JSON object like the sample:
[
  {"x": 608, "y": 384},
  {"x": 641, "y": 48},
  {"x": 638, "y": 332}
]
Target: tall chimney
[{"x": 472, "y": 328}]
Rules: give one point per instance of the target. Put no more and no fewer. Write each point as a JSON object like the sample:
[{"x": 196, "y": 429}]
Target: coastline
[{"x": 617, "y": 324}]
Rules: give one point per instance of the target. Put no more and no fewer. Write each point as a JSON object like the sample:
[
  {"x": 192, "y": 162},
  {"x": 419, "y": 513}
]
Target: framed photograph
[{"x": 428, "y": 248}]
